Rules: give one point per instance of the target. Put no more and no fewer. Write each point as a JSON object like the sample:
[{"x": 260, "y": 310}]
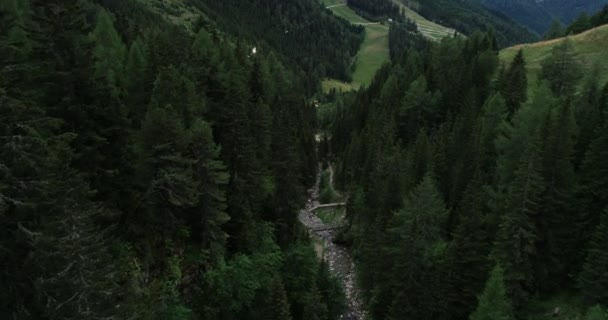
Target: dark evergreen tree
[
  {"x": 467, "y": 255},
  {"x": 515, "y": 244},
  {"x": 561, "y": 69},
  {"x": 555, "y": 243},
  {"x": 593, "y": 188},
  {"x": 514, "y": 85},
  {"x": 593, "y": 280},
  {"x": 494, "y": 303}
]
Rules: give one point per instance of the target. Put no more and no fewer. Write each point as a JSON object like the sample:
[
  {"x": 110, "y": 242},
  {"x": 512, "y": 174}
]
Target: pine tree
[
  {"x": 561, "y": 69},
  {"x": 515, "y": 86},
  {"x": 65, "y": 271},
  {"x": 109, "y": 53},
  {"x": 27, "y": 137},
  {"x": 516, "y": 238},
  {"x": 209, "y": 214},
  {"x": 580, "y": 24},
  {"x": 76, "y": 278},
  {"x": 556, "y": 244},
  {"x": 593, "y": 190},
  {"x": 277, "y": 305},
  {"x": 514, "y": 137},
  {"x": 135, "y": 72},
  {"x": 467, "y": 256},
  {"x": 494, "y": 303},
  {"x": 494, "y": 114},
  {"x": 593, "y": 280},
  {"x": 556, "y": 30},
  {"x": 417, "y": 246}
]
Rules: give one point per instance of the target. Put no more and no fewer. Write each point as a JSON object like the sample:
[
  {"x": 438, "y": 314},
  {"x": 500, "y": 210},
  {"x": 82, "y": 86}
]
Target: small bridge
[
  {"x": 326, "y": 227},
  {"x": 328, "y": 205}
]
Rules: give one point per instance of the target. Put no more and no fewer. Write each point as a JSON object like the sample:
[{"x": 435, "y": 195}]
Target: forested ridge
[
  {"x": 582, "y": 23},
  {"x": 319, "y": 43},
  {"x": 470, "y": 16},
  {"x": 474, "y": 193},
  {"x": 150, "y": 173}
]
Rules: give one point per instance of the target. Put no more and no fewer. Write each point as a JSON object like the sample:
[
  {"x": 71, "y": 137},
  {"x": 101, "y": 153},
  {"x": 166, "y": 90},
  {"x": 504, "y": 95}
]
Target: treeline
[
  {"x": 469, "y": 199},
  {"x": 148, "y": 173},
  {"x": 467, "y": 17},
  {"x": 302, "y": 30},
  {"x": 581, "y": 24},
  {"x": 377, "y": 10}
]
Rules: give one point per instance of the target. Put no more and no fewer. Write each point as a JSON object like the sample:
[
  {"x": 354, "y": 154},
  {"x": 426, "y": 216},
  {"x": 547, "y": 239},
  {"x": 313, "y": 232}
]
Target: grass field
[
  {"x": 591, "y": 49},
  {"x": 428, "y": 28},
  {"x": 373, "y": 53},
  {"x": 338, "y": 85}
]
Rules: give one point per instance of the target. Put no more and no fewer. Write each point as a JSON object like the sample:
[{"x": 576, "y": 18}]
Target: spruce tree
[
  {"x": 467, "y": 255},
  {"x": 593, "y": 189},
  {"x": 135, "y": 73},
  {"x": 561, "y": 69},
  {"x": 109, "y": 53},
  {"x": 515, "y": 86},
  {"x": 517, "y": 235},
  {"x": 417, "y": 235},
  {"x": 494, "y": 114},
  {"x": 593, "y": 280},
  {"x": 494, "y": 303},
  {"x": 556, "y": 244},
  {"x": 209, "y": 214},
  {"x": 276, "y": 306},
  {"x": 556, "y": 30}
]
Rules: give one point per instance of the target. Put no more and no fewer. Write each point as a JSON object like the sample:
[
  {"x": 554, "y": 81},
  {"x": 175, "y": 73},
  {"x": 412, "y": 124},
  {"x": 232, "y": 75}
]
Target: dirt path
[
  {"x": 339, "y": 259},
  {"x": 335, "y": 5}
]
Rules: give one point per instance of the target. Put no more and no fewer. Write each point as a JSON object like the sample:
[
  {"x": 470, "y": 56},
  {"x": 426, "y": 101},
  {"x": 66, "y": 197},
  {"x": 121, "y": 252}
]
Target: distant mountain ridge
[{"x": 537, "y": 15}]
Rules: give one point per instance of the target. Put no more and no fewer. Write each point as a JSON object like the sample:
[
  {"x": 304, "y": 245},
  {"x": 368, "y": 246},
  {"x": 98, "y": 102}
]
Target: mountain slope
[
  {"x": 538, "y": 14},
  {"x": 470, "y": 16},
  {"x": 567, "y": 10},
  {"x": 590, "y": 49},
  {"x": 301, "y": 30}
]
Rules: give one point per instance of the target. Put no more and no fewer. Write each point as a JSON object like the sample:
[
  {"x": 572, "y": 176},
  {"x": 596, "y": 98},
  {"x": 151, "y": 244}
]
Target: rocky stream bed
[{"x": 339, "y": 258}]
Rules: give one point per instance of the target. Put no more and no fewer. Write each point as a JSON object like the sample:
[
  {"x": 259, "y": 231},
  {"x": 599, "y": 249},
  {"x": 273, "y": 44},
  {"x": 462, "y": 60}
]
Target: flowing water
[{"x": 339, "y": 258}]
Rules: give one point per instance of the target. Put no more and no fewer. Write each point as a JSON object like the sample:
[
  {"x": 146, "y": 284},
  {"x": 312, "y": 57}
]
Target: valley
[{"x": 302, "y": 160}]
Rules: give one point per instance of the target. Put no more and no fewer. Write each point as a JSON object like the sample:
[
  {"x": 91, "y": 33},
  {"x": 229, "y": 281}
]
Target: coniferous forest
[
  {"x": 153, "y": 169},
  {"x": 475, "y": 196},
  {"x": 150, "y": 173}
]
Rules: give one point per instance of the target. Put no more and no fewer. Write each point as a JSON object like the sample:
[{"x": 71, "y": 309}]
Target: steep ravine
[{"x": 339, "y": 258}]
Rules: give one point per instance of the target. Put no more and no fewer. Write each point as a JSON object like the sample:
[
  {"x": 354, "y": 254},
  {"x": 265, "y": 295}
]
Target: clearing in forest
[{"x": 374, "y": 51}]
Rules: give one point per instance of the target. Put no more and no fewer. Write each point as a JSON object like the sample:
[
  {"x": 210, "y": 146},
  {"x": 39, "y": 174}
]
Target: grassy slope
[
  {"x": 591, "y": 51},
  {"x": 428, "y": 28},
  {"x": 373, "y": 52}
]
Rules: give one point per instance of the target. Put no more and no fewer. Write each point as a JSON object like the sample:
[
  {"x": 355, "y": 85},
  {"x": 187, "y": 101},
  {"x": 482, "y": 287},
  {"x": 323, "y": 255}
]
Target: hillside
[
  {"x": 429, "y": 29},
  {"x": 590, "y": 48},
  {"x": 538, "y": 14},
  {"x": 470, "y": 16},
  {"x": 374, "y": 50},
  {"x": 308, "y": 36}
]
